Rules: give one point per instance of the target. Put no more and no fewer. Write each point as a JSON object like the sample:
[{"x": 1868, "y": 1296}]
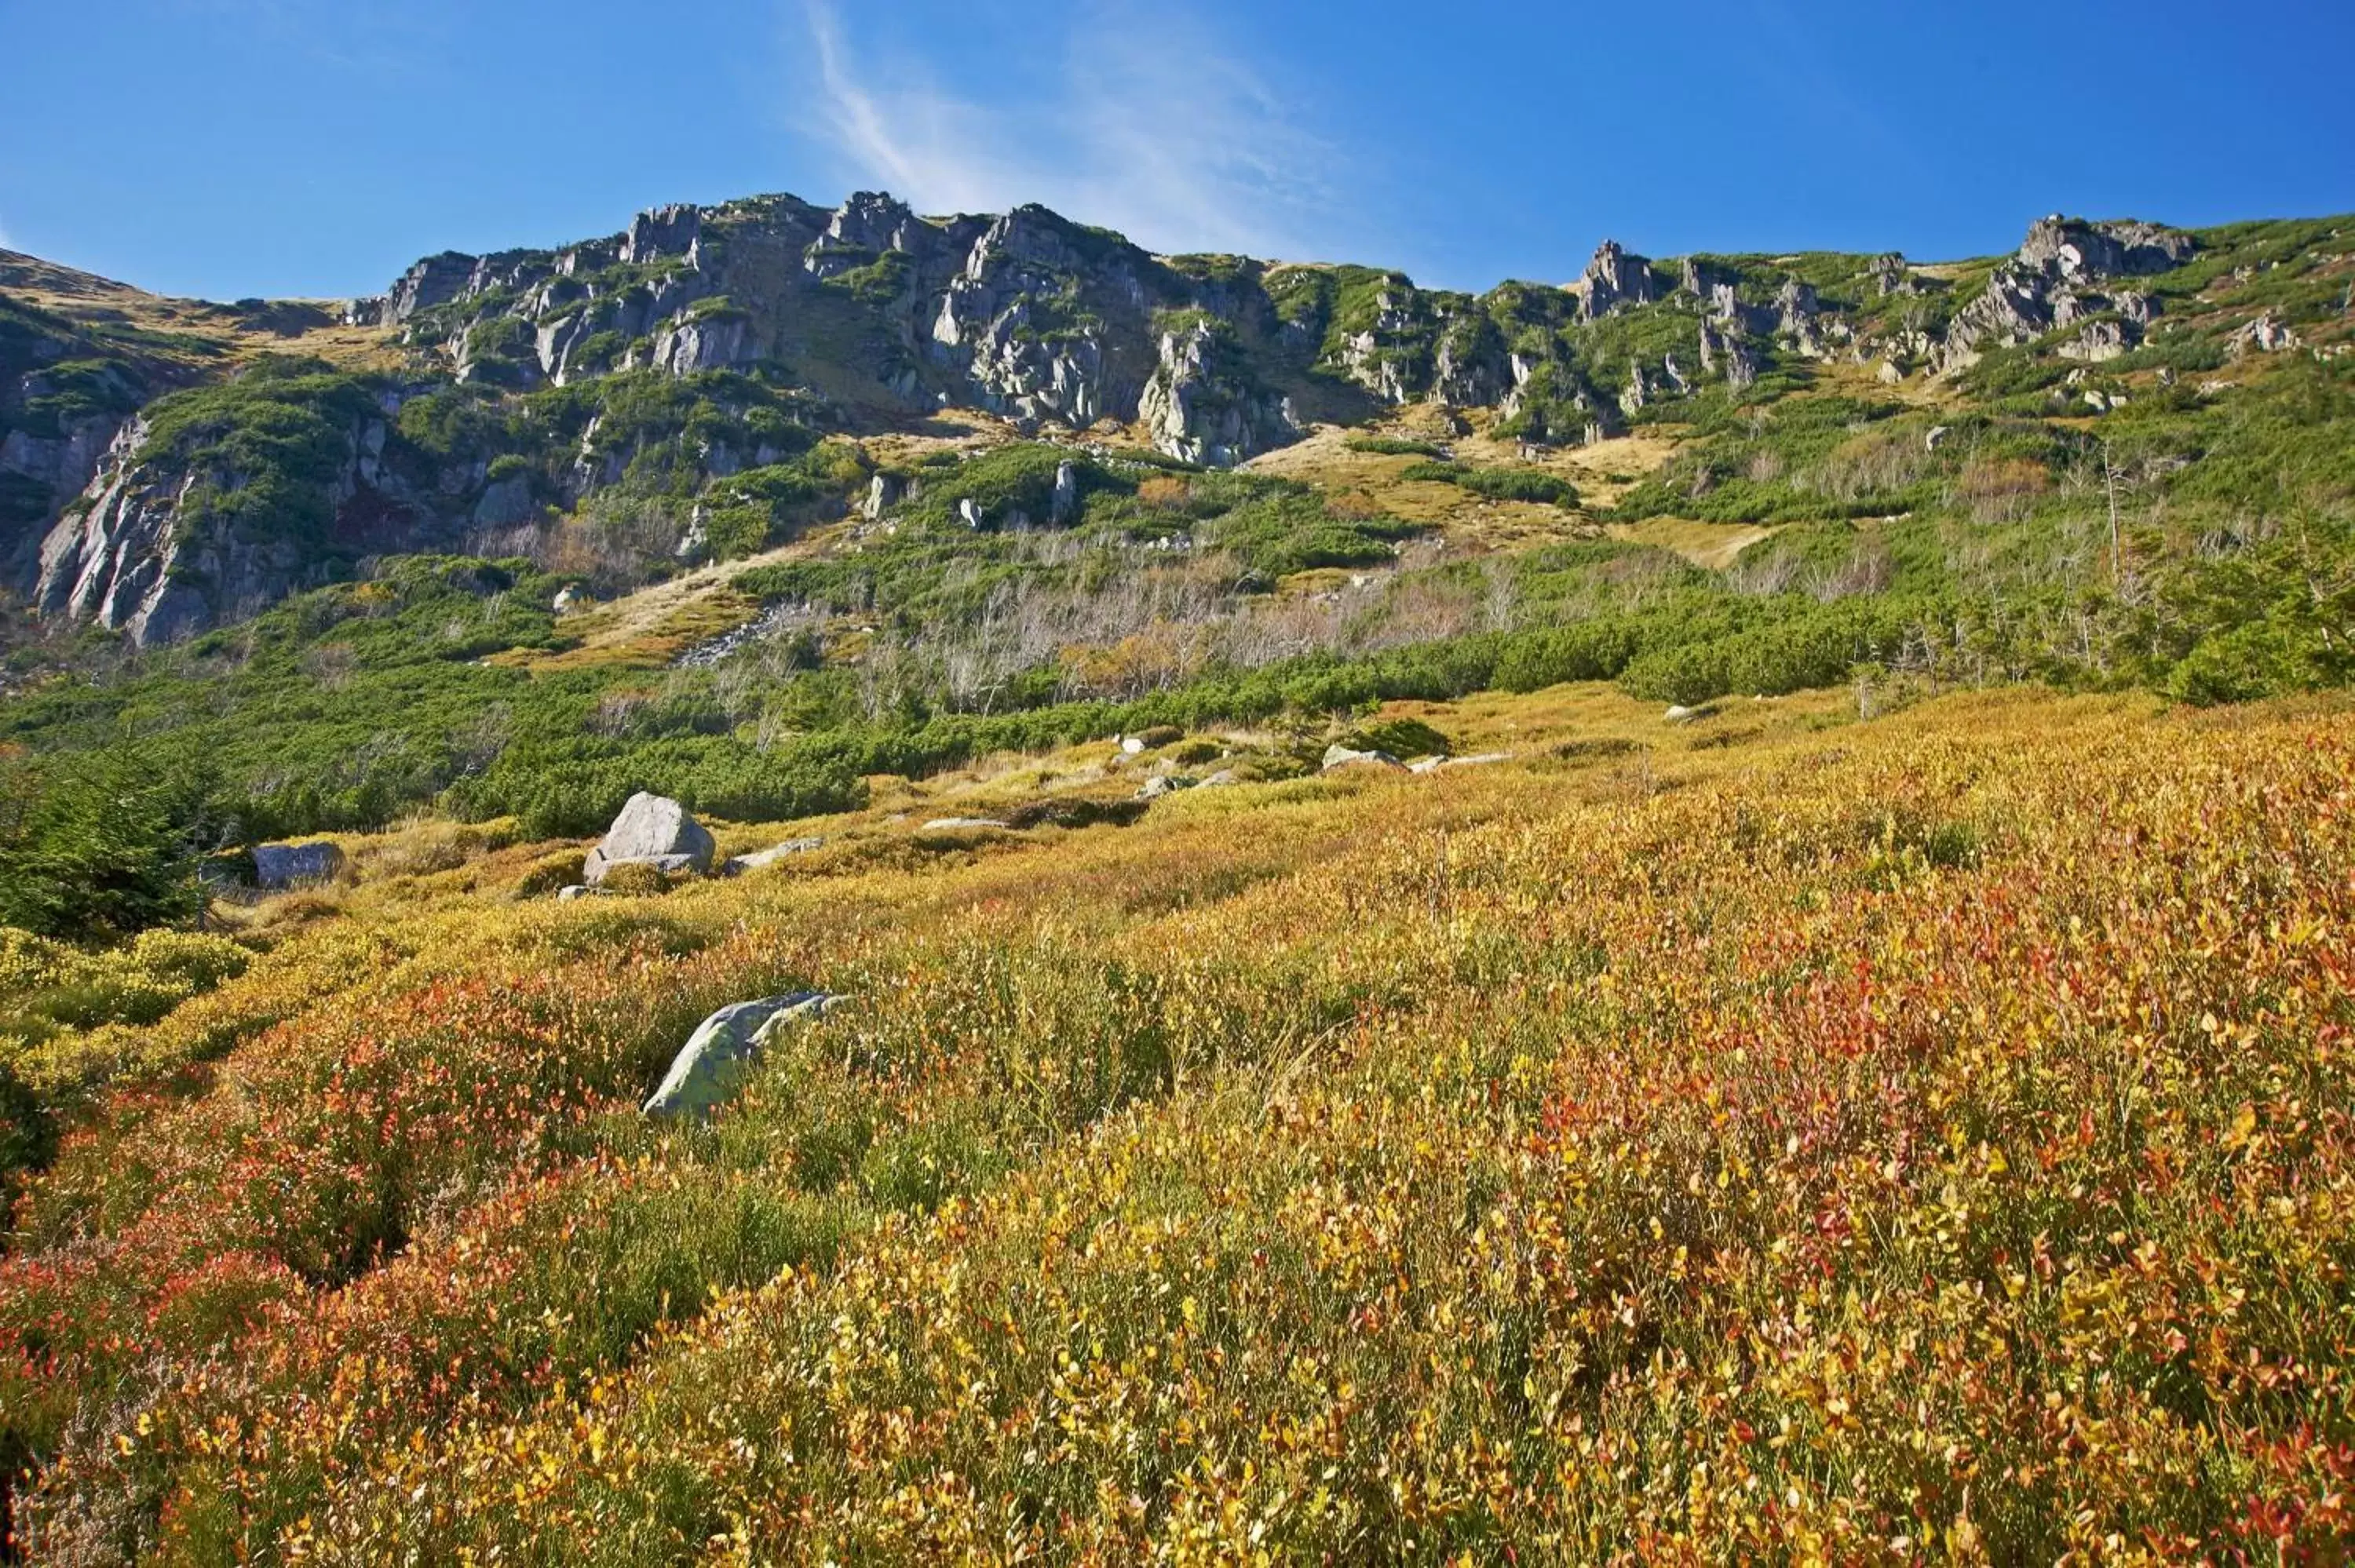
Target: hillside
[
  {"x": 1780, "y": 1136},
  {"x": 965, "y": 519},
  {"x": 1696, "y": 915}
]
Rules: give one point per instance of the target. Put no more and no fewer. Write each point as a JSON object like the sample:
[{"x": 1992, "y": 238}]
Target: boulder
[
  {"x": 964, "y": 824},
  {"x": 651, "y": 830},
  {"x": 1063, "y": 506},
  {"x": 1162, "y": 784},
  {"x": 2266, "y": 334},
  {"x": 1339, "y": 756},
  {"x": 1222, "y": 780},
  {"x": 295, "y": 865},
  {"x": 705, "y": 1072},
  {"x": 737, "y": 866},
  {"x": 1680, "y": 713},
  {"x": 567, "y": 894}
]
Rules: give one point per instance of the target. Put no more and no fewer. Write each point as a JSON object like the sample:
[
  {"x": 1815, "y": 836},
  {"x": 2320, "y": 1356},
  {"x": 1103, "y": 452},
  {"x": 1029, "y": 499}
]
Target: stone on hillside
[
  {"x": 652, "y": 831},
  {"x": 1222, "y": 780},
  {"x": 1162, "y": 784},
  {"x": 1680, "y": 713},
  {"x": 1064, "y": 506},
  {"x": 567, "y": 894},
  {"x": 1937, "y": 437},
  {"x": 2268, "y": 334},
  {"x": 1339, "y": 756},
  {"x": 964, "y": 824},
  {"x": 1132, "y": 745},
  {"x": 279, "y": 866},
  {"x": 884, "y": 491},
  {"x": 703, "y": 1074},
  {"x": 738, "y": 864}
]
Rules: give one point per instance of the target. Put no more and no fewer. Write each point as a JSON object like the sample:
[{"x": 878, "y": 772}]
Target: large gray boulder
[
  {"x": 652, "y": 830},
  {"x": 706, "y": 1069}
]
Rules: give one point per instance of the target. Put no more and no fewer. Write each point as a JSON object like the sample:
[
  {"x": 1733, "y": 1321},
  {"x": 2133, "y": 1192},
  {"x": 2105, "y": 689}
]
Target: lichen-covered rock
[
  {"x": 652, "y": 831},
  {"x": 708, "y": 1067}
]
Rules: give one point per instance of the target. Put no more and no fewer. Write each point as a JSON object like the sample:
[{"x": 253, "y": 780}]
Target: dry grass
[
  {"x": 85, "y": 297},
  {"x": 1710, "y": 545}
]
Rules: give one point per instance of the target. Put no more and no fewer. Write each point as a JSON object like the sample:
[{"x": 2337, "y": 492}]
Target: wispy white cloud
[{"x": 1143, "y": 122}]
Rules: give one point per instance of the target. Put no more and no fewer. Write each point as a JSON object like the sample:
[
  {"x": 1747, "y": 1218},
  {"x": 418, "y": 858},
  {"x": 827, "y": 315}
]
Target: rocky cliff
[{"x": 701, "y": 344}]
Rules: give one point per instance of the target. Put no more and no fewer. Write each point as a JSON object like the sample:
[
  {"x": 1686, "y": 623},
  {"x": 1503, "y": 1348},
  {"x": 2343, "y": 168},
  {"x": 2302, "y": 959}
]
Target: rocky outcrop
[
  {"x": 663, "y": 231},
  {"x": 711, "y": 342},
  {"x": 2266, "y": 334},
  {"x": 2077, "y": 252},
  {"x": 1723, "y": 351},
  {"x": 135, "y": 557},
  {"x": 2054, "y": 281},
  {"x": 1615, "y": 280},
  {"x": 1200, "y": 407}
]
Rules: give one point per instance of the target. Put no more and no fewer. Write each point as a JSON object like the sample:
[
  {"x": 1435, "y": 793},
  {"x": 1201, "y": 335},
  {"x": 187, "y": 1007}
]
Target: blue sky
[{"x": 314, "y": 147}]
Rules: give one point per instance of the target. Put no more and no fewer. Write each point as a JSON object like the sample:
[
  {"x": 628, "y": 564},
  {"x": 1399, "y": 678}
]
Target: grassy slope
[{"x": 1927, "y": 1126}]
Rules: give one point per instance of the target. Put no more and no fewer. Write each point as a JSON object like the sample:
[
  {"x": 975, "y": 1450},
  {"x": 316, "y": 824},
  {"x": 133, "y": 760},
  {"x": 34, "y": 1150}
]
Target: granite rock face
[
  {"x": 1061, "y": 330},
  {"x": 2058, "y": 277}
]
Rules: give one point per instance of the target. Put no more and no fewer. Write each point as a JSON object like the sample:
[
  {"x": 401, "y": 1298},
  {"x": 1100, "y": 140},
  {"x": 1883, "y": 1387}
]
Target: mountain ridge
[{"x": 772, "y": 324}]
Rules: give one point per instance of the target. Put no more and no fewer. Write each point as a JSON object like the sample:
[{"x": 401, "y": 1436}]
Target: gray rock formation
[
  {"x": 703, "y": 342},
  {"x": 2266, "y": 334},
  {"x": 2077, "y": 252},
  {"x": 655, "y": 831},
  {"x": 1723, "y": 351},
  {"x": 709, "y": 1068},
  {"x": 1199, "y": 407},
  {"x": 2053, "y": 282},
  {"x": 1339, "y": 756},
  {"x": 1613, "y": 279},
  {"x": 280, "y": 866}
]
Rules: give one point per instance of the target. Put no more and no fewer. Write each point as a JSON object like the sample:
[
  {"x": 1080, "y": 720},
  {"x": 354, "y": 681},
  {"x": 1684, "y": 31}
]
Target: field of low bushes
[{"x": 1775, "y": 1136}]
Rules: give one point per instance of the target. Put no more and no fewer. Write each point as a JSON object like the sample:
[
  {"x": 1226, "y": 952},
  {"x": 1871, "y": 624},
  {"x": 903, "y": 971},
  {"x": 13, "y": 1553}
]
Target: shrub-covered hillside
[
  {"x": 1771, "y": 1136},
  {"x": 1694, "y": 916}
]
